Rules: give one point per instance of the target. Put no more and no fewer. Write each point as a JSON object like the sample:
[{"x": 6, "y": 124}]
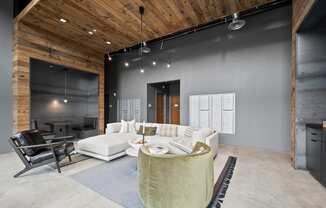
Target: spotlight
[
  {"x": 63, "y": 20},
  {"x": 236, "y": 23}
]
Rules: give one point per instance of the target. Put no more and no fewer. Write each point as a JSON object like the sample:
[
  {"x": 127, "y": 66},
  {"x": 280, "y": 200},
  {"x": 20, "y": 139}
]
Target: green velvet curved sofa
[{"x": 176, "y": 181}]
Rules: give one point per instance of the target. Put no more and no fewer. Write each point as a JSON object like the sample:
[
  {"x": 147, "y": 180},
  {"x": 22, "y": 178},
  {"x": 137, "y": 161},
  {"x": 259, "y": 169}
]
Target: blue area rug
[{"x": 115, "y": 180}]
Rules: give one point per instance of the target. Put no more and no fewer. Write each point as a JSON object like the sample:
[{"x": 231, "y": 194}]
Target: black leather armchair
[{"x": 35, "y": 151}]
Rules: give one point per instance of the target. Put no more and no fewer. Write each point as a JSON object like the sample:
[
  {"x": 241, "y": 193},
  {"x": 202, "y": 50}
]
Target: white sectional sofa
[{"x": 113, "y": 144}]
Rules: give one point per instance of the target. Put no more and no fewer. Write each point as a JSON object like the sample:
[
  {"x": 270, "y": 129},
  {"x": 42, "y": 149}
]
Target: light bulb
[
  {"x": 63, "y": 20},
  {"x": 65, "y": 100},
  {"x": 168, "y": 65},
  {"x": 126, "y": 63},
  {"x": 110, "y": 58},
  {"x": 154, "y": 63},
  {"x": 142, "y": 71}
]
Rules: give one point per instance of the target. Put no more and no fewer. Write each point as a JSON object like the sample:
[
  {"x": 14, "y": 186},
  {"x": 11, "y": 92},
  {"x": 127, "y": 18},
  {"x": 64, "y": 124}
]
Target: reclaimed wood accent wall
[
  {"x": 32, "y": 42},
  {"x": 300, "y": 10}
]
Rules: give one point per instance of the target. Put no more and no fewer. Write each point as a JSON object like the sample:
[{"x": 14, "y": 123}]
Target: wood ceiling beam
[{"x": 26, "y": 10}]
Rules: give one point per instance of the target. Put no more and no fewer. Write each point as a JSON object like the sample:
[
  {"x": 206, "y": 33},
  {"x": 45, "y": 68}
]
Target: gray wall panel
[
  {"x": 253, "y": 62},
  {"x": 6, "y": 9}
]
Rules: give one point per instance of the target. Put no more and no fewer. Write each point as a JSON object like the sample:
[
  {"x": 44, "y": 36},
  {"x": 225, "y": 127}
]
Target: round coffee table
[{"x": 132, "y": 152}]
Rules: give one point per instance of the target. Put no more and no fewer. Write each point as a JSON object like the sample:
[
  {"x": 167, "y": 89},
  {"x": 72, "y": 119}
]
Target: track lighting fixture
[
  {"x": 236, "y": 23},
  {"x": 146, "y": 49}
]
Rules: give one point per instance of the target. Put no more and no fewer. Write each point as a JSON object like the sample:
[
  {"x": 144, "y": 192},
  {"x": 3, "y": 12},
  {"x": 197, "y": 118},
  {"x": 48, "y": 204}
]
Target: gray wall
[
  {"x": 311, "y": 86},
  {"x": 253, "y": 62},
  {"x": 47, "y": 94},
  {"x": 6, "y": 8}
]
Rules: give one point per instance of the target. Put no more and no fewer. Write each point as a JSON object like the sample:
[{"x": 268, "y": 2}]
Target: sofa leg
[{"x": 21, "y": 172}]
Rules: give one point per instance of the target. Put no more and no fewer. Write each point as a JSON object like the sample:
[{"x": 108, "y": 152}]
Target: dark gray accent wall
[
  {"x": 253, "y": 62},
  {"x": 311, "y": 86},
  {"x": 6, "y": 9}
]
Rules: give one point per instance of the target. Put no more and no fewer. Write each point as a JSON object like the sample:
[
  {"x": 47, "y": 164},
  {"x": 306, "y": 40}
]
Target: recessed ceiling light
[
  {"x": 63, "y": 20},
  {"x": 90, "y": 32},
  {"x": 108, "y": 42},
  {"x": 94, "y": 30}
]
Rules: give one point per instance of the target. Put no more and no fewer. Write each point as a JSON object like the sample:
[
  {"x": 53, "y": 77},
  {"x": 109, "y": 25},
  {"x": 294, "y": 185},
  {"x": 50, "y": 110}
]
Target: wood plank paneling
[
  {"x": 119, "y": 21},
  {"x": 300, "y": 10},
  {"x": 31, "y": 41}
]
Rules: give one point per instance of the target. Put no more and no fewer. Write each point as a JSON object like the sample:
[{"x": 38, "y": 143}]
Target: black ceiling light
[{"x": 141, "y": 12}]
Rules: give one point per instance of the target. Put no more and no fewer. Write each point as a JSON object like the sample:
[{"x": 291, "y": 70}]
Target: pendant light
[
  {"x": 141, "y": 12},
  {"x": 65, "y": 99},
  {"x": 236, "y": 23}
]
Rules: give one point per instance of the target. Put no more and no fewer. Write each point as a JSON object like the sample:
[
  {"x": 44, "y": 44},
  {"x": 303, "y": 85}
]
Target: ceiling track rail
[{"x": 250, "y": 12}]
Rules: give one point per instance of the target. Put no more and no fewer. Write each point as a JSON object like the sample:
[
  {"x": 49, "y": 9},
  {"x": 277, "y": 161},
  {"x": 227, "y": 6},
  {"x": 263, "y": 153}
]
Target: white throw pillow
[
  {"x": 206, "y": 132},
  {"x": 113, "y": 128},
  {"x": 201, "y": 135},
  {"x": 132, "y": 126},
  {"x": 124, "y": 127},
  {"x": 168, "y": 130},
  {"x": 197, "y": 136},
  {"x": 189, "y": 131}
]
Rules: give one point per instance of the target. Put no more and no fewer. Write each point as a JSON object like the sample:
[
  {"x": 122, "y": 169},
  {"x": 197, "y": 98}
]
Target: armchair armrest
[
  {"x": 54, "y": 144},
  {"x": 213, "y": 141}
]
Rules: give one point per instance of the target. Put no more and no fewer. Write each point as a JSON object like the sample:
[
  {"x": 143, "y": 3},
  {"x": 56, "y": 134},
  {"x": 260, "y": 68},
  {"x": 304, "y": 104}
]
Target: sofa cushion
[
  {"x": 168, "y": 130},
  {"x": 107, "y": 145},
  {"x": 113, "y": 128}
]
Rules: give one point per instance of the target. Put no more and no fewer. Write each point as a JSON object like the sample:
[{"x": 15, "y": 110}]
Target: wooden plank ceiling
[{"x": 118, "y": 21}]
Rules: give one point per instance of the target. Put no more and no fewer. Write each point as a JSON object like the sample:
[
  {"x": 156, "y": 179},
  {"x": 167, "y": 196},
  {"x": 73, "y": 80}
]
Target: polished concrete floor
[{"x": 261, "y": 179}]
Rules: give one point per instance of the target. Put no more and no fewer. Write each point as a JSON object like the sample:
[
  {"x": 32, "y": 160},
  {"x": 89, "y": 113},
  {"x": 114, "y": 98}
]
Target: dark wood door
[
  {"x": 160, "y": 108},
  {"x": 175, "y": 109}
]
